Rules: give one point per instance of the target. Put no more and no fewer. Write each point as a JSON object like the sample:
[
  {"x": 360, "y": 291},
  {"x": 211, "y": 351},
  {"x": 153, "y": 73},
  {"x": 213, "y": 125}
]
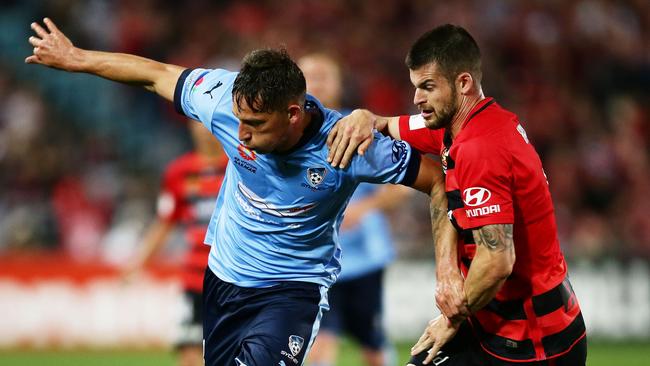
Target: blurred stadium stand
[{"x": 80, "y": 157}]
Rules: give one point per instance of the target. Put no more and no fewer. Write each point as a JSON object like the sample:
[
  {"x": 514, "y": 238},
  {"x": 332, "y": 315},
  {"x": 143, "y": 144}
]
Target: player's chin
[
  {"x": 263, "y": 150},
  {"x": 433, "y": 123}
]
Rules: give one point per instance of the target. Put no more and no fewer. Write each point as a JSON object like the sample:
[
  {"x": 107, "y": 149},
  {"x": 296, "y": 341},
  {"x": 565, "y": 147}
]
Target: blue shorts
[
  {"x": 259, "y": 326},
  {"x": 356, "y": 309}
]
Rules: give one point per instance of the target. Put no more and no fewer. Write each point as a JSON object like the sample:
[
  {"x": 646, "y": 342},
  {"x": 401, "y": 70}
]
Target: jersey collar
[{"x": 478, "y": 108}]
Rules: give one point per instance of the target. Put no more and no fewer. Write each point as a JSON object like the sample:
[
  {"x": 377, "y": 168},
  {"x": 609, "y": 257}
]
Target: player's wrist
[
  {"x": 379, "y": 123},
  {"x": 78, "y": 60}
]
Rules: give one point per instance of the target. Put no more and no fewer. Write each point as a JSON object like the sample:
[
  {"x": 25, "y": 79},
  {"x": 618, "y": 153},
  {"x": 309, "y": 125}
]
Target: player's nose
[
  {"x": 419, "y": 97},
  {"x": 244, "y": 133}
]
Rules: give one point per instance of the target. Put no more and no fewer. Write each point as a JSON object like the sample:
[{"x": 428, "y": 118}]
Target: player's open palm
[
  {"x": 352, "y": 134},
  {"x": 51, "y": 47}
]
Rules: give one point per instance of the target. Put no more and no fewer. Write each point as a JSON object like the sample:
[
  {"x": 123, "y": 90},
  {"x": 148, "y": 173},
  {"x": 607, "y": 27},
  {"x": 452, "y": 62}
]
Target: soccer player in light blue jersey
[{"x": 274, "y": 228}]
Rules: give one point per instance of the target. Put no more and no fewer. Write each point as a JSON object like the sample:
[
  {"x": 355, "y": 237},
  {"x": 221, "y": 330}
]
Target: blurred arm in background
[{"x": 154, "y": 239}]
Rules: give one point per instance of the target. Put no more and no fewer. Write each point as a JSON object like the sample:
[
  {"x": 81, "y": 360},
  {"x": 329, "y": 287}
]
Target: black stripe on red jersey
[
  {"x": 178, "y": 91},
  {"x": 557, "y": 343},
  {"x": 548, "y": 302},
  {"x": 505, "y": 347},
  {"x": 453, "y": 200},
  {"x": 560, "y": 296},
  {"x": 508, "y": 310}
]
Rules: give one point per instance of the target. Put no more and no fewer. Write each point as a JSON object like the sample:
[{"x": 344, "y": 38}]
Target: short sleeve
[
  {"x": 484, "y": 175},
  {"x": 413, "y": 130},
  {"x": 386, "y": 161},
  {"x": 200, "y": 91}
]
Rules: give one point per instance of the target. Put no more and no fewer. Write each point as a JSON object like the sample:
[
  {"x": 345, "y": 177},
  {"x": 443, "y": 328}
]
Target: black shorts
[
  {"x": 191, "y": 325},
  {"x": 259, "y": 326},
  {"x": 356, "y": 309},
  {"x": 465, "y": 350}
]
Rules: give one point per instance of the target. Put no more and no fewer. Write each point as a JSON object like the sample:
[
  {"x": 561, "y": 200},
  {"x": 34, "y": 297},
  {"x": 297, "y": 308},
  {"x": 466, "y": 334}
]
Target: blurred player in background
[
  {"x": 190, "y": 187},
  {"x": 273, "y": 233},
  {"x": 366, "y": 243},
  {"x": 517, "y": 295}
]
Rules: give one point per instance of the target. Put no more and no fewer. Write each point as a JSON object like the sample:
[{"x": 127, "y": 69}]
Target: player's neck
[{"x": 465, "y": 107}]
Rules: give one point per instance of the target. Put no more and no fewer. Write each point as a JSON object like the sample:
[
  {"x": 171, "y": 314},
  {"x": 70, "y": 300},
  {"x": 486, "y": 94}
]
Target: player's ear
[
  {"x": 464, "y": 82},
  {"x": 293, "y": 113}
]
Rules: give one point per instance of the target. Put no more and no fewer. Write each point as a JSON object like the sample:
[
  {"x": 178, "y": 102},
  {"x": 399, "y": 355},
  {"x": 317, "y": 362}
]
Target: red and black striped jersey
[
  {"x": 191, "y": 184},
  {"x": 494, "y": 175}
]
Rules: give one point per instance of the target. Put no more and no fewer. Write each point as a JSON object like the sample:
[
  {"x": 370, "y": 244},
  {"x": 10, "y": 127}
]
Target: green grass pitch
[{"x": 600, "y": 354}]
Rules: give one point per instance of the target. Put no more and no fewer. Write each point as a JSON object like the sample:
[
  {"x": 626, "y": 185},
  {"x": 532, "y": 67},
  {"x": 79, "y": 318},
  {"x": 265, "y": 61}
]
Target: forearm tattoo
[
  {"x": 436, "y": 216},
  {"x": 494, "y": 237}
]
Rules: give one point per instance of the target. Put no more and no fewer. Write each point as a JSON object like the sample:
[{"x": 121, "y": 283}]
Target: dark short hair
[
  {"x": 268, "y": 81},
  {"x": 451, "y": 47}
]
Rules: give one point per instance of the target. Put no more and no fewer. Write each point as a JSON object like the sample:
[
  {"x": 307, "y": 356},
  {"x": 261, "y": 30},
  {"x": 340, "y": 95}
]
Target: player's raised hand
[
  {"x": 351, "y": 134},
  {"x": 52, "y": 48}
]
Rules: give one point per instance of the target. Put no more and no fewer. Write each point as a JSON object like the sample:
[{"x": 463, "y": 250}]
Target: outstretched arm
[{"x": 52, "y": 48}]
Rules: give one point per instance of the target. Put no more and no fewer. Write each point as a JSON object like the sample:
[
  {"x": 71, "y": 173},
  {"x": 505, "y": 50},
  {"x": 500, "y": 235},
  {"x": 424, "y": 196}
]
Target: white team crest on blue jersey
[
  {"x": 295, "y": 344},
  {"x": 315, "y": 176}
]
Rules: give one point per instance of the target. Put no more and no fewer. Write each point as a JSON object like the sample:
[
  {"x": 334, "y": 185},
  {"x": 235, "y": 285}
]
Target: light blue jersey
[{"x": 277, "y": 215}]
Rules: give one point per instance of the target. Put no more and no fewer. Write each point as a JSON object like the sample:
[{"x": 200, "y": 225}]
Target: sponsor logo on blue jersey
[{"x": 246, "y": 153}]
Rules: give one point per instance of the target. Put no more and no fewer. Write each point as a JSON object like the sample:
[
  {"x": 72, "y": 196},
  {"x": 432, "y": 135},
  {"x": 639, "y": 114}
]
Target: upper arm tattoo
[{"x": 494, "y": 237}]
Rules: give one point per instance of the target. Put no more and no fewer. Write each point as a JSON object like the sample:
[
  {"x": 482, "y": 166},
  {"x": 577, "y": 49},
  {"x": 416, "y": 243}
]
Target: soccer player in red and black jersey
[
  {"x": 513, "y": 304},
  {"x": 190, "y": 187}
]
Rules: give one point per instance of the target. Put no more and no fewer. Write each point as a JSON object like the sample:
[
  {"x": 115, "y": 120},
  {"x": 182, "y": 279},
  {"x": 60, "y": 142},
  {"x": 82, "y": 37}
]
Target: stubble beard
[
  {"x": 447, "y": 113},
  {"x": 443, "y": 117}
]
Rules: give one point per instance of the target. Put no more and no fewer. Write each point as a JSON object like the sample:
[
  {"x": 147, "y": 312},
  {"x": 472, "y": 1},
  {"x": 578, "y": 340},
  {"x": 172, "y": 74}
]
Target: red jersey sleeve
[
  {"x": 413, "y": 131},
  {"x": 169, "y": 198},
  {"x": 484, "y": 176}
]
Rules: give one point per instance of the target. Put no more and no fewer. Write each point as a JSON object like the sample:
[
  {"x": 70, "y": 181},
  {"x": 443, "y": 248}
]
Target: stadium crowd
[{"x": 577, "y": 72}]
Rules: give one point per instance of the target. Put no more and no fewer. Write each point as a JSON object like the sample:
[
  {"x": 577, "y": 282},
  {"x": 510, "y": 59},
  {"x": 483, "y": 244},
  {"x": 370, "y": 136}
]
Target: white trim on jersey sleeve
[{"x": 416, "y": 122}]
